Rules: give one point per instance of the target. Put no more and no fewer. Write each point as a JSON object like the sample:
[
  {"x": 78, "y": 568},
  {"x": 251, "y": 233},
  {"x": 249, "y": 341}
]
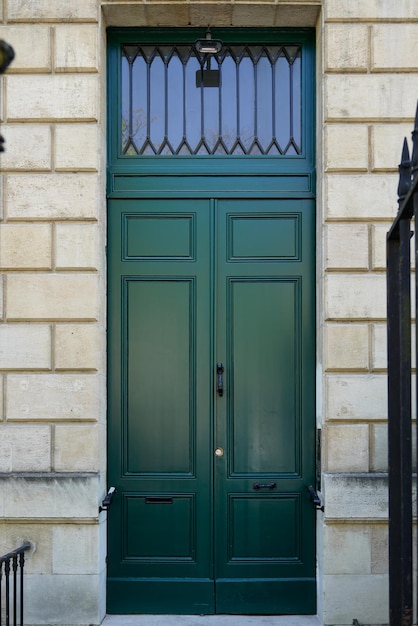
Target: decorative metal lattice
[{"x": 253, "y": 108}]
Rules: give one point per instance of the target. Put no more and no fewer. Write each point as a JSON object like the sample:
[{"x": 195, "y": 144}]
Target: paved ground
[{"x": 210, "y": 620}]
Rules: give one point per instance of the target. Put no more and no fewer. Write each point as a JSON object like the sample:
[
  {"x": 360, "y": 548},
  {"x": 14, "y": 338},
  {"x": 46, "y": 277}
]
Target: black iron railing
[
  {"x": 399, "y": 387},
  {"x": 11, "y": 586}
]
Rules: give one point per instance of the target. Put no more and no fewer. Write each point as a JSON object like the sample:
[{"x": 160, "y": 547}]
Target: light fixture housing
[{"x": 208, "y": 45}]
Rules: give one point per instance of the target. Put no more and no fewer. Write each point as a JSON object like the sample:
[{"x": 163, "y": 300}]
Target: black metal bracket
[
  {"x": 316, "y": 500},
  {"x": 107, "y": 501}
]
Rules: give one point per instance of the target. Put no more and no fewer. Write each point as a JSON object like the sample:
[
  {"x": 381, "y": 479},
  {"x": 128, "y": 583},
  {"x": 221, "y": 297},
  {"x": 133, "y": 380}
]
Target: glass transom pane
[{"x": 244, "y": 100}]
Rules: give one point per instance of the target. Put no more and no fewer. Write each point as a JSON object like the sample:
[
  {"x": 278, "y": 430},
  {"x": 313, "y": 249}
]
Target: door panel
[
  {"x": 192, "y": 283},
  {"x": 264, "y": 521}
]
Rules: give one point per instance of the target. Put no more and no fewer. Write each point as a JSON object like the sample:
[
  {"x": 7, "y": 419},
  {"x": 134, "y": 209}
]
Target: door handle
[{"x": 220, "y": 379}]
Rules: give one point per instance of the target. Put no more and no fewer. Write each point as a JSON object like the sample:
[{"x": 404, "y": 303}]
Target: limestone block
[
  {"x": 356, "y": 397},
  {"x": 365, "y": 596},
  {"x": 76, "y": 448},
  {"x": 379, "y": 347},
  {"x": 25, "y": 347},
  {"x": 294, "y": 16},
  {"x": 380, "y": 549},
  {"x": 45, "y": 10},
  {"x": 379, "y": 232},
  {"x": 76, "y": 147},
  {"x": 52, "y": 297},
  {"x": 25, "y": 246},
  {"x": 77, "y": 347},
  {"x": 121, "y": 14},
  {"x": 75, "y": 549},
  {"x": 379, "y": 448},
  {"x": 386, "y": 96},
  {"x": 346, "y": 246},
  {"x": 29, "y": 57},
  {"x": 52, "y": 397},
  {"x": 76, "y": 48},
  {"x": 347, "y": 549},
  {"x": 51, "y": 496},
  {"x": 76, "y": 246},
  {"x": 361, "y": 196},
  {"x": 346, "y": 347},
  {"x": 1, "y": 397},
  {"x": 346, "y": 147},
  {"x": 201, "y": 14},
  {"x": 28, "y": 147},
  {"x": 63, "y": 600},
  {"x": 355, "y": 296},
  {"x": 25, "y": 448},
  {"x": 1, "y": 297},
  {"x": 372, "y": 9},
  {"x": 166, "y": 14},
  {"x": 387, "y": 142},
  {"x": 394, "y": 47},
  {"x": 355, "y": 496},
  {"x": 52, "y": 196},
  {"x": 346, "y": 47},
  {"x": 38, "y": 560},
  {"x": 253, "y": 15},
  {"x": 60, "y": 97},
  {"x": 347, "y": 448}
]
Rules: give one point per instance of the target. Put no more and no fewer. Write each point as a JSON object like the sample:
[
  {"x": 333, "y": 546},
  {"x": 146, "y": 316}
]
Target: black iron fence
[
  {"x": 11, "y": 586},
  {"x": 400, "y": 365}
]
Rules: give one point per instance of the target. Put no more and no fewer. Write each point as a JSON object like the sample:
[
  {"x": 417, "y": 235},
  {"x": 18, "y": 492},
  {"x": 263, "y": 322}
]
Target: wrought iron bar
[
  {"x": 399, "y": 391},
  {"x": 12, "y": 563}
]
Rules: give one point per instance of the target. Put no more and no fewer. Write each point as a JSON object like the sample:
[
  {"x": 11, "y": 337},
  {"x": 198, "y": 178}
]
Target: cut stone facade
[{"x": 53, "y": 288}]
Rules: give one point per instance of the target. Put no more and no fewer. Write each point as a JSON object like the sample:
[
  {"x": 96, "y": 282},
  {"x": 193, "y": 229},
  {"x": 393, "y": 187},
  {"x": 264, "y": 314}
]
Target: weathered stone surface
[
  {"x": 25, "y": 448},
  {"x": 60, "y": 97},
  {"x": 346, "y": 246},
  {"x": 76, "y": 48},
  {"x": 386, "y": 97},
  {"x": 346, "y": 347},
  {"x": 17, "y": 249},
  {"x": 356, "y": 496},
  {"x": 77, "y": 246},
  {"x": 50, "y": 496},
  {"x": 356, "y": 397},
  {"x": 372, "y": 9},
  {"x": 52, "y": 297},
  {"x": 76, "y": 147},
  {"x": 347, "y": 549},
  {"x": 25, "y": 347},
  {"x": 38, "y": 560},
  {"x": 361, "y": 196},
  {"x": 341, "y": 442},
  {"x": 346, "y": 47},
  {"x": 77, "y": 347},
  {"x": 52, "y": 397},
  {"x": 76, "y": 448},
  {"x": 367, "y": 595},
  {"x": 346, "y": 147},
  {"x": 63, "y": 599},
  {"x": 76, "y": 549},
  {"x": 37, "y": 153},
  {"x": 58, "y": 10},
  {"x": 355, "y": 296},
  {"x": 386, "y": 145},
  {"x": 29, "y": 57},
  {"x": 52, "y": 196}
]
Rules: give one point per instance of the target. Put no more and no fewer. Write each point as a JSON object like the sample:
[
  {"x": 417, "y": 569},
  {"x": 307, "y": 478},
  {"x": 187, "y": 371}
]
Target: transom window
[{"x": 250, "y": 105}]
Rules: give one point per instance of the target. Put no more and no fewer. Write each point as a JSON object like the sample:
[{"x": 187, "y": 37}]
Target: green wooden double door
[{"x": 211, "y": 405}]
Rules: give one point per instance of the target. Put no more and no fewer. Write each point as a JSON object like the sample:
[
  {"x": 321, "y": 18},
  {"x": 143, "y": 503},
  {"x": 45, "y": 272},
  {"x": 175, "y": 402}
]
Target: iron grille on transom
[{"x": 255, "y": 110}]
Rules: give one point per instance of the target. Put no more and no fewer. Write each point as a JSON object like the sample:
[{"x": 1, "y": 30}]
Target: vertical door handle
[{"x": 220, "y": 379}]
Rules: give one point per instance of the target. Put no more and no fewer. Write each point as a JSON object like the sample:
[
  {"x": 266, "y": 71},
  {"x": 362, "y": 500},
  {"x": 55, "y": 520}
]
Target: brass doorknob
[{"x": 219, "y": 452}]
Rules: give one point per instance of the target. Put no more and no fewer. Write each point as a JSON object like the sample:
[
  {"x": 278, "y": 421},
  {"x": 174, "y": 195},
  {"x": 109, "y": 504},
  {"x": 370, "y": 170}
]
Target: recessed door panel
[{"x": 160, "y": 382}]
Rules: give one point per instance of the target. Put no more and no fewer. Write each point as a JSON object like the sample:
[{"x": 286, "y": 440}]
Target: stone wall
[
  {"x": 369, "y": 94},
  {"x": 52, "y": 340},
  {"x": 52, "y": 283}
]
